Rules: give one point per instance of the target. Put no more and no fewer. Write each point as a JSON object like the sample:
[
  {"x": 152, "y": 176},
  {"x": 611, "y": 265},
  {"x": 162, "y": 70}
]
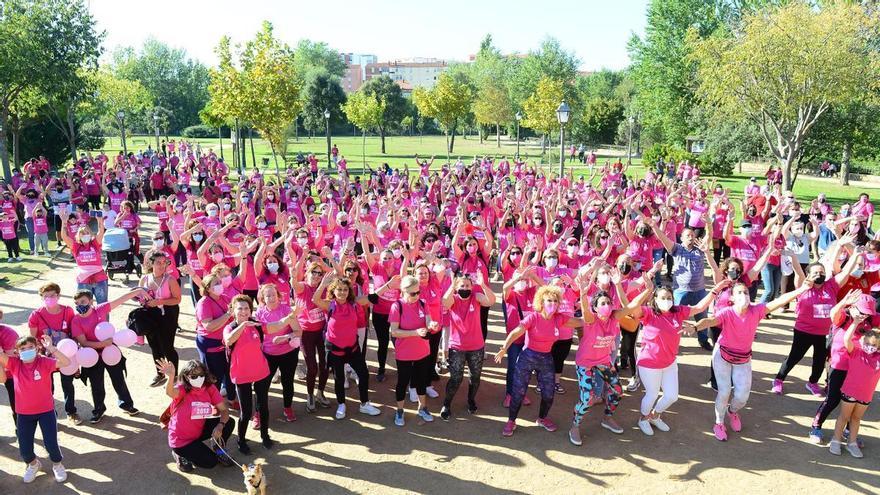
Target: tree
[
  {"x": 44, "y": 42},
  {"x": 540, "y": 107},
  {"x": 211, "y": 118},
  {"x": 448, "y": 101},
  {"x": 599, "y": 121},
  {"x": 176, "y": 81},
  {"x": 322, "y": 91},
  {"x": 310, "y": 55},
  {"x": 116, "y": 94},
  {"x": 71, "y": 105},
  {"x": 784, "y": 69},
  {"x": 258, "y": 84},
  {"x": 384, "y": 89},
  {"x": 365, "y": 111},
  {"x": 550, "y": 61},
  {"x": 493, "y": 104}
]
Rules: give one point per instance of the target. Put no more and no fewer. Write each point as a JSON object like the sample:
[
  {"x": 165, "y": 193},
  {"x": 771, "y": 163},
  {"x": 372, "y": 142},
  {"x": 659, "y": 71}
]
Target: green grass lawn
[{"x": 16, "y": 273}]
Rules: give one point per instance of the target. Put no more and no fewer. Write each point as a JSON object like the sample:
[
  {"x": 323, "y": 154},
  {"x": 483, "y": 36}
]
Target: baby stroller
[{"x": 119, "y": 254}]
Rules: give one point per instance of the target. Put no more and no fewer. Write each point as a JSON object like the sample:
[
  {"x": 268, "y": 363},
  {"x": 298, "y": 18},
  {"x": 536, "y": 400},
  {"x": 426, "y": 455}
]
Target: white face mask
[
  {"x": 396, "y": 253},
  {"x": 520, "y": 286},
  {"x": 217, "y": 257},
  {"x": 158, "y": 242},
  {"x": 604, "y": 279},
  {"x": 740, "y": 300},
  {"x": 86, "y": 238},
  {"x": 664, "y": 304},
  {"x": 439, "y": 268},
  {"x": 571, "y": 250},
  {"x": 868, "y": 348},
  {"x": 197, "y": 382},
  {"x": 551, "y": 262},
  {"x": 272, "y": 267},
  {"x": 302, "y": 241},
  {"x": 217, "y": 290},
  {"x": 797, "y": 232},
  {"x": 261, "y": 225}
]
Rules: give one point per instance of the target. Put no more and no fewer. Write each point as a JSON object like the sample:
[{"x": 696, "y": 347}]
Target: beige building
[{"x": 417, "y": 73}]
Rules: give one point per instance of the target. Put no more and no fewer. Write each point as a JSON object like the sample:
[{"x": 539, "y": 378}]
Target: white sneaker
[
  {"x": 834, "y": 447},
  {"x": 413, "y": 397},
  {"x": 659, "y": 424},
  {"x": 60, "y": 472},
  {"x": 431, "y": 392},
  {"x": 277, "y": 377},
  {"x": 854, "y": 450},
  {"x": 31, "y": 471},
  {"x": 645, "y": 426},
  {"x": 340, "y": 411},
  {"x": 369, "y": 409},
  {"x": 300, "y": 372}
]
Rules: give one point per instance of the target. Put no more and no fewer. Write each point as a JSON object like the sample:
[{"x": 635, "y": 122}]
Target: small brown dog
[{"x": 254, "y": 479}]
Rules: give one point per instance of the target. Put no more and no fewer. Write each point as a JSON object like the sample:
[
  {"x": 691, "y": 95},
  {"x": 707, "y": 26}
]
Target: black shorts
[{"x": 851, "y": 400}]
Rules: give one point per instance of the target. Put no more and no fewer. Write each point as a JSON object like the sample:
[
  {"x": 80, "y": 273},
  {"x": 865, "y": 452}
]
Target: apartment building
[{"x": 418, "y": 72}]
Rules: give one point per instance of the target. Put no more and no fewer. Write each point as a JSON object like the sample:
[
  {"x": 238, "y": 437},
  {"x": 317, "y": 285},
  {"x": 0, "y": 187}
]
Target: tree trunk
[
  {"x": 364, "y": 150},
  {"x": 220, "y": 136},
  {"x": 785, "y": 164},
  {"x": 71, "y": 134},
  {"x": 452, "y": 140},
  {"x": 844, "y": 163},
  {"x": 4, "y": 149},
  {"x": 16, "y": 151},
  {"x": 497, "y": 135},
  {"x": 382, "y": 138},
  {"x": 254, "y": 155}
]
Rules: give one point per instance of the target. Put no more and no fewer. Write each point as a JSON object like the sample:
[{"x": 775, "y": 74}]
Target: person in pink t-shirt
[
  {"x": 541, "y": 328},
  {"x": 31, "y": 376},
  {"x": 282, "y": 350},
  {"x": 197, "y": 413},
  {"x": 732, "y": 357},
  {"x": 858, "y": 387}
]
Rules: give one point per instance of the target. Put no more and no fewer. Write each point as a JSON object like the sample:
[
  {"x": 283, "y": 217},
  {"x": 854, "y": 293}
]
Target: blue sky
[{"x": 596, "y": 31}]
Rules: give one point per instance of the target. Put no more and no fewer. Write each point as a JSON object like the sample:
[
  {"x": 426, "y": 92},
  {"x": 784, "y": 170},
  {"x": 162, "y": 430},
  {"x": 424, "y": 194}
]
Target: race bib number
[
  {"x": 822, "y": 311},
  {"x": 316, "y": 315},
  {"x": 88, "y": 256},
  {"x": 203, "y": 410}
]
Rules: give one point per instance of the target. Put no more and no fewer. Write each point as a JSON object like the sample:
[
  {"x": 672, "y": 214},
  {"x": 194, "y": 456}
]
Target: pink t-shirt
[
  {"x": 465, "y": 332},
  {"x": 189, "y": 412},
  {"x": 209, "y": 309},
  {"x": 8, "y": 338},
  {"x": 247, "y": 364},
  {"x": 594, "y": 349},
  {"x": 7, "y": 228},
  {"x": 410, "y": 316},
  {"x": 85, "y": 325},
  {"x": 342, "y": 325},
  {"x": 861, "y": 379},
  {"x": 542, "y": 332},
  {"x": 58, "y": 324},
  {"x": 265, "y": 315},
  {"x": 839, "y": 357},
  {"x": 40, "y": 226},
  {"x": 33, "y": 384},
  {"x": 660, "y": 337},
  {"x": 312, "y": 318},
  {"x": 813, "y": 309},
  {"x": 738, "y": 331}
]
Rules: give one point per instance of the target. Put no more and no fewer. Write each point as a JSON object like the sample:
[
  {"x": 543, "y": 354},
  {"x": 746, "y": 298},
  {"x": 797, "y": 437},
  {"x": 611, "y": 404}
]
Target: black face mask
[
  {"x": 557, "y": 229},
  {"x": 819, "y": 280},
  {"x": 625, "y": 269},
  {"x": 643, "y": 232},
  {"x": 734, "y": 273},
  {"x": 343, "y": 223},
  {"x": 464, "y": 293},
  {"x": 509, "y": 224}
]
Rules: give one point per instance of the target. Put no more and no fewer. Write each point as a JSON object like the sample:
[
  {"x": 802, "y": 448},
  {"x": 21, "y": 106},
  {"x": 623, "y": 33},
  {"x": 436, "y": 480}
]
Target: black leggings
[
  {"x": 287, "y": 364},
  {"x": 560, "y": 351},
  {"x": 12, "y": 247},
  {"x": 10, "y": 390},
  {"x": 799, "y": 345},
  {"x": 628, "y": 350},
  {"x": 200, "y": 454},
  {"x": 316, "y": 366},
  {"x": 161, "y": 339},
  {"x": 359, "y": 365},
  {"x": 484, "y": 321},
  {"x": 832, "y": 399},
  {"x": 383, "y": 335},
  {"x": 434, "y": 339},
  {"x": 418, "y": 372},
  {"x": 246, "y": 393},
  {"x": 721, "y": 252}
]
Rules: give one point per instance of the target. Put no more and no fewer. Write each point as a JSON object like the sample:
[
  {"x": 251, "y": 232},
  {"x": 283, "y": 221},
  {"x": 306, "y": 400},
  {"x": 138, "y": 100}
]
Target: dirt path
[{"x": 467, "y": 455}]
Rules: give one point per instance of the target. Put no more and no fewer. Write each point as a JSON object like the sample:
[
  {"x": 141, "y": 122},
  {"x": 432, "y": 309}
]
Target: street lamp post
[
  {"x": 562, "y": 115},
  {"x": 629, "y": 141},
  {"x": 156, "y": 123},
  {"x": 121, "y": 116},
  {"x": 518, "y": 118},
  {"x": 327, "y": 128}
]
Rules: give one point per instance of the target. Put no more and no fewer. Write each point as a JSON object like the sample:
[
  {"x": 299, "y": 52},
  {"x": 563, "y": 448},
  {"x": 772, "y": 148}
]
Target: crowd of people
[{"x": 608, "y": 270}]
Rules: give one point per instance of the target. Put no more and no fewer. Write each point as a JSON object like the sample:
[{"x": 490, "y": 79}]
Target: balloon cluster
[{"x": 87, "y": 357}]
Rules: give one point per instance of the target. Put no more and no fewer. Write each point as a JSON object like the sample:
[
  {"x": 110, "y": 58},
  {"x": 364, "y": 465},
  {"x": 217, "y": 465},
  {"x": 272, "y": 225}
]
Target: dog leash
[{"x": 223, "y": 451}]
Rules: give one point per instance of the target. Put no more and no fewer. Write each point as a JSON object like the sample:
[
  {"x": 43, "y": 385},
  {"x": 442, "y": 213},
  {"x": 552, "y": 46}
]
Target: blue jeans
[
  {"x": 217, "y": 364},
  {"x": 29, "y": 225},
  {"x": 27, "y": 428},
  {"x": 771, "y": 276},
  {"x": 512, "y": 355},
  {"x": 99, "y": 290},
  {"x": 691, "y": 298}
]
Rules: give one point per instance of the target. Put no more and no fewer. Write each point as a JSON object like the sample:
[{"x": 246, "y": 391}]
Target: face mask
[
  {"x": 50, "y": 302},
  {"x": 364, "y": 211},
  {"x": 551, "y": 262},
  {"x": 476, "y": 222},
  {"x": 272, "y": 267},
  {"x": 86, "y": 239},
  {"x": 261, "y": 225},
  {"x": 664, "y": 304},
  {"x": 520, "y": 286},
  {"x": 625, "y": 269},
  {"x": 213, "y": 213},
  {"x": 438, "y": 269},
  {"x": 868, "y": 348},
  {"x": 372, "y": 202},
  {"x": 83, "y": 308},
  {"x": 603, "y": 241},
  {"x": 591, "y": 215},
  {"x": 562, "y": 214},
  {"x": 217, "y": 257},
  {"x": 178, "y": 208},
  {"x": 27, "y": 355},
  {"x": 198, "y": 237},
  {"x": 557, "y": 229},
  {"x": 797, "y": 232},
  {"x": 396, "y": 253},
  {"x": 746, "y": 231},
  {"x": 271, "y": 197},
  {"x": 227, "y": 281},
  {"x": 740, "y": 300},
  {"x": 158, "y": 242},
  {"x": 302, "y": 241},
  {"x": 571, "y": 250},
  {"x": 819, "y": 280},
  {"x": 550, "y": 307},
  {"x": 343, "y": 223},
  {"x": 604, "y": 311},
  {"x": 734, "y": 273},
  {"x": 217, "y": 290},
  {"x": 464, "y": 293},
  {"x": 603, "y": 279},
  {"x": 858, "y": 272},
  {"x": 245, "y": 199},
  {"x": 644, "y": 232},
  {"x": 197, "y": 382}
]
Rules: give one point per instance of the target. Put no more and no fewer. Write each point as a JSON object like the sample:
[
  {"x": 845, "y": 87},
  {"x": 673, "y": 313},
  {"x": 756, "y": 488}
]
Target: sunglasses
[
  {"x": 196, "y": 375},
  {"x": 317, "y": 273},
  {"x": 351, "y": 270},
  {"x": 413, "y": 294}
]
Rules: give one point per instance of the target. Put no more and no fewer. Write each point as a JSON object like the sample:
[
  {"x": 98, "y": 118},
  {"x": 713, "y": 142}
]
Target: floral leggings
[{"x": 586, "y": 377}]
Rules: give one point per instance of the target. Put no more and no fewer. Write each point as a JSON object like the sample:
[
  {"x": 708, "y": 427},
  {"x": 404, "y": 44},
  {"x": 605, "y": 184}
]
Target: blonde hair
[
  {"x": 408, "y": 282},
  {"x": 210, "y": 280},
  {"x": 545, "y": 291}
]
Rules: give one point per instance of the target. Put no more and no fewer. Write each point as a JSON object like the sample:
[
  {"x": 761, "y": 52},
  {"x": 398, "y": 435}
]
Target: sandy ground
[{"x": 467, "y": 455}]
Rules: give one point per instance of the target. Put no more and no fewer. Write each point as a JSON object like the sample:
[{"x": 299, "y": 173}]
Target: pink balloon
[
  {"x": 111, "y": 355},
  {"x": 125, "y": 337},
  {"x": 87, "y": 357},
  {"x": 104, "y": 330},
  {"x": 67, "y": 347},
  {"x": 71, "y": 367}
]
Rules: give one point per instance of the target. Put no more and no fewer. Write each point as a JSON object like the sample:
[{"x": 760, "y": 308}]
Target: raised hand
[{"x": 165, "y": 367}]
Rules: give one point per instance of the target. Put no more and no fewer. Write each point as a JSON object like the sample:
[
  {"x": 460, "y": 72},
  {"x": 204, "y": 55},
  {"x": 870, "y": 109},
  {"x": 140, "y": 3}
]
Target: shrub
[{"x": 199, "y": 131}]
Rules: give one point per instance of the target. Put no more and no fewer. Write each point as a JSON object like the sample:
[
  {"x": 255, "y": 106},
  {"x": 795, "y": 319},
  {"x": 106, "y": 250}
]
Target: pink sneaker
[
  {"x": 720, "y": 432},
  {"x": 735, "y": 421},
  {"x": 815, "y": 389},
  {"x": 777, "y": 386},
  {"x": 289, "y": 415},
  {"x": 547, "y": 424},
  {"x": 507, "y": 431},
  {"x": 506, "y": 400},
  {"x": 526, "y": 401},
  {"x": 255, "y": 422},
  {"x": 139, "y": 340}
]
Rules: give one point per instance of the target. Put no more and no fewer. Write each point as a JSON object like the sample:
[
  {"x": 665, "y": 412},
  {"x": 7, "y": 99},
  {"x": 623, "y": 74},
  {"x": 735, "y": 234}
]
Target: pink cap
[{"x": 866, "y": 305}]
